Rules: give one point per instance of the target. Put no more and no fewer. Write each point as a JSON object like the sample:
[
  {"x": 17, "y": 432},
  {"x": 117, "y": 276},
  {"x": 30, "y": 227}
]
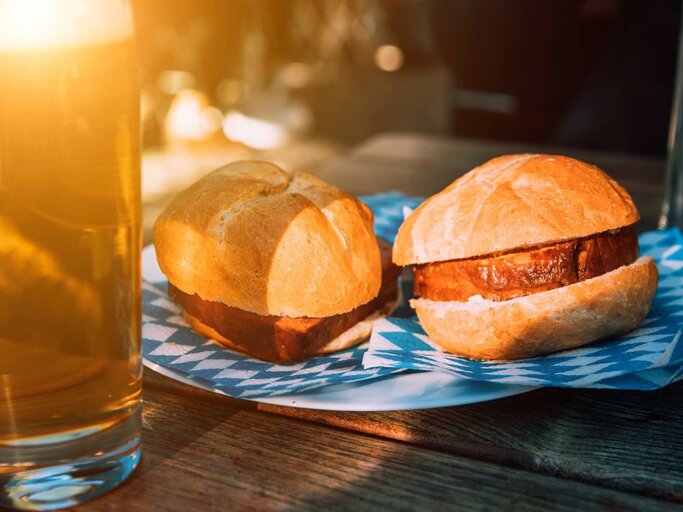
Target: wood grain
[
  {"x": 208, "y": 455},
  {"x": 423, "y": 165},
  {"x": 628, "y": 441}
]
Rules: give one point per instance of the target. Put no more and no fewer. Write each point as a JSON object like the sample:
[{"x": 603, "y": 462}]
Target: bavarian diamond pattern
[
  {"x": 168, "y": 341},
  {"x": 389, "y": 209},
  {"x": 647, "y": 358}
]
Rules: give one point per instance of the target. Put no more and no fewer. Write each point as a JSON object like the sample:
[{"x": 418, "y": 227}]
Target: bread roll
[
  {"x": 254, "y": 237},
  {"x": 551, "y": 239},
  {"x": 511, "y": 202}
]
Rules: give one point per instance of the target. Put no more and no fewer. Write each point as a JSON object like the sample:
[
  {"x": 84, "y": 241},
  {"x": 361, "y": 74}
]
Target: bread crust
[
  {"x": 511, "y": 202},
  {"x": 255, "y": 237},
  {"x": 611, "y": 304}
]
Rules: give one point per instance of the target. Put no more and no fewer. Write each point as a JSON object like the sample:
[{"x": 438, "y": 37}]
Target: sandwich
[
  {"x": 278, "y": 265},
  {"x": 526, "y": 255}
]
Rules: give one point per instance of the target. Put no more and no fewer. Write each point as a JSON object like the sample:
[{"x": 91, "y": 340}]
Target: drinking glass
[
  {"x": 672, "y": 206},
  {"x": 70, "y": 243}
]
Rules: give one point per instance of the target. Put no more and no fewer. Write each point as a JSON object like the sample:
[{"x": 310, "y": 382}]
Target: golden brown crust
[
  {"x": 255, "y": 237},
  {"x": 537, "y": 324},
  {"x": 512, "y": 202}
]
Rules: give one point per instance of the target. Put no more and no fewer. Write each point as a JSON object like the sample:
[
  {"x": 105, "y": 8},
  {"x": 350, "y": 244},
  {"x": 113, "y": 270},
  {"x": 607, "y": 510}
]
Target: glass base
[{"x": 58, "y": 474}]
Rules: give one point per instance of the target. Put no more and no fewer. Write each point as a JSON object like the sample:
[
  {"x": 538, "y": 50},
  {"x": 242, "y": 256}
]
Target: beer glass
[
  {"x": 672, "y": 206},
  {"x": 70, "y": 243}
]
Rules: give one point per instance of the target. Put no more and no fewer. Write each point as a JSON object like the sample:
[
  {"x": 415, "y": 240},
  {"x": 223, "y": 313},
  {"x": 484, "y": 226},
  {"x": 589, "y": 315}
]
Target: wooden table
[{"x": 550, "y": 449}]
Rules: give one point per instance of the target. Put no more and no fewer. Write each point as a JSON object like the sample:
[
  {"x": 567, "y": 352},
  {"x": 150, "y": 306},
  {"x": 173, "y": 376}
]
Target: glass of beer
[
  {"x": 672, "y": 206},
  {"x": 70, "y": 243}
]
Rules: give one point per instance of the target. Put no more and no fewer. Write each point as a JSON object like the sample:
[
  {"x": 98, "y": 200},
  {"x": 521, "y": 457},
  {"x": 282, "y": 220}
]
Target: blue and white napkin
[
  {"x": 647, "y": 358},
  {"x": 168, "y": 341}
]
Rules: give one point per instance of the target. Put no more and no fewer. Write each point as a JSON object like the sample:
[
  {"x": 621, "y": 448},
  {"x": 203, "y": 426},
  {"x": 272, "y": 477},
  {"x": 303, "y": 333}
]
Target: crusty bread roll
[
  {"x": 511, "y": 202},
  {"x": 541, "y": 323},
  {"x": 254, "y": 237},
  {"x": 552, "y": 235}
]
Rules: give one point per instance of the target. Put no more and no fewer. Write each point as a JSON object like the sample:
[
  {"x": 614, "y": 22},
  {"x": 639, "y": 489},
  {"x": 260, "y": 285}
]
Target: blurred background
[
  {"x": 589, "y": 73},
  {"x": 302, "y": 81}
]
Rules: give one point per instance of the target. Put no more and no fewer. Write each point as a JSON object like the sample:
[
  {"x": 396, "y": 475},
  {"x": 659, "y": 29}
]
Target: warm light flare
[
  {"x": 191, "y": 117},
  {"x": 29, "y": 22},
  {"x": 389, "y": 57},
  {"x": 43, "y": 23},
  {"x": 30, "y": 19},
  {"x": 253, "y": 132}
]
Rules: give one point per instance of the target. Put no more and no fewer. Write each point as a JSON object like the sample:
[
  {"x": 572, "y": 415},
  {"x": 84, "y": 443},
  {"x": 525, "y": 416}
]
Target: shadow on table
[{"x": 627, "y": 441}]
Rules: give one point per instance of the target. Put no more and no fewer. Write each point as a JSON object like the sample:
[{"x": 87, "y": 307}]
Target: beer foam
[{"x": 37, "y": 24}]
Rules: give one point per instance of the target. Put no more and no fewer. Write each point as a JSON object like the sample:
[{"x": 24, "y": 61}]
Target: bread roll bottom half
[
  {"x": 279, "y": 338},
  {"x": 561, "y": 318}
]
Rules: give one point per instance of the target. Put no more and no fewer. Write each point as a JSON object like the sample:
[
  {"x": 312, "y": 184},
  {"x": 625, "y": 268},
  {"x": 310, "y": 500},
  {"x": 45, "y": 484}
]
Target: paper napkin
[{"x": 647, "y": 358}]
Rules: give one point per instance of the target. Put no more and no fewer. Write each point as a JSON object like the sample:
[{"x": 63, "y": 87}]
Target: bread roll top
[
  {"x": 255, "y": 237},
  {"x": 512, "y": 202}
]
